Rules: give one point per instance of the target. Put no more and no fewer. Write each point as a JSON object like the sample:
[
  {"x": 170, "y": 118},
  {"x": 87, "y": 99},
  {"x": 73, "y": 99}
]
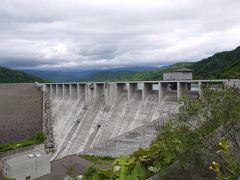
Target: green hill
[
  {"x": 13, "y": 76},
  {"x": 158, "y": 74},
  {"x": 224, "y": 65}
]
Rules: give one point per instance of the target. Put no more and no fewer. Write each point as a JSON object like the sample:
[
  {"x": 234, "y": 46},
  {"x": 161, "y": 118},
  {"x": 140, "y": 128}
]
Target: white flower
[{"x": 116, "y": 168}]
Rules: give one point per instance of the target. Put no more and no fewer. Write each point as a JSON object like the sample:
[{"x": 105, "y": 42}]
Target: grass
[
  {"x": 99, "y": 161},
  {"x": 36, "y": 139},
  {"x": 96, "y": 158},
  {"x": 5, "y": 178}
]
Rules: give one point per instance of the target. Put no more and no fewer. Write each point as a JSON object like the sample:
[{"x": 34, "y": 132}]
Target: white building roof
[{"x": 23, "y": 157}]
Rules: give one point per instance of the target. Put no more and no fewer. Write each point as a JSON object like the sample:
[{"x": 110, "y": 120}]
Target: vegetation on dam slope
[
  {"x": 36, "y": 139},
  {"x": 188, "y": 145}
]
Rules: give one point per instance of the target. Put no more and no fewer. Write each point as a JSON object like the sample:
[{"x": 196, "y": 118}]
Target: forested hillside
[
  {"x": 110, "y": 76},
  {"x": 224, "y": 65},
  {"x": 13, "y": 76}
]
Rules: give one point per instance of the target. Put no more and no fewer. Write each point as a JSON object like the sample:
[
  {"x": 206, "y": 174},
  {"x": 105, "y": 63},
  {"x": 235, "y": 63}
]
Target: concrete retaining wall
[{"x": 20, "y": 111}]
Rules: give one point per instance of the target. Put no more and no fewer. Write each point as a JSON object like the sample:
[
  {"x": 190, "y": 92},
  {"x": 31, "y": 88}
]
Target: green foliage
[
  {"x": 36, "y": 139},
  {"x": 110, "y": 76},
  {"x": 6, "y": 178},
  {"x": 39, "y": 137},
  {"x": 182, "y": 144},
  {"x": 215, "y": 113},
  {"x": 221, "y": 65},
  {"x": 13, "y": 76},
  {"x": 89, "y": 173},
  {"x": 71, "y": 172},
  {"x": 96, "y": 158},
  {"x": 124, "y": 167},
  {"x": 231, "y": 165}
]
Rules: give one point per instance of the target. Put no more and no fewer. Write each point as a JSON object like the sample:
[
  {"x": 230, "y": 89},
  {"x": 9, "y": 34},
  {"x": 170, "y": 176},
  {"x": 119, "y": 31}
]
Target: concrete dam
[
  {"x": 100, "y": 118},
  {"x": 110, "y": 118}
]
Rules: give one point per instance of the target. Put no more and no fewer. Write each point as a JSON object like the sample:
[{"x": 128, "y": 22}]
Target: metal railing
[{"x": 16, "y": 151}]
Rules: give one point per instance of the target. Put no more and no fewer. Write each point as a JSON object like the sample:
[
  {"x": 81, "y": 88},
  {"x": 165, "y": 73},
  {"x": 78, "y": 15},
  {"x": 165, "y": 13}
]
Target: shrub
[
  {"x": 230, "y": 169},
  {"x": 89, "y": 173},
  {"x": 96, "y": 158}
]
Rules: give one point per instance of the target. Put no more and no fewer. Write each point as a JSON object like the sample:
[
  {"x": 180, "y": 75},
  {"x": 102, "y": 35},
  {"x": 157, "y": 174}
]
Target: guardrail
[{"x": 18, "y": 150}]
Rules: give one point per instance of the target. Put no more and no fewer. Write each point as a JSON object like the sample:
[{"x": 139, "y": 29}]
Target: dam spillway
[{"x": 112, "y": 118}]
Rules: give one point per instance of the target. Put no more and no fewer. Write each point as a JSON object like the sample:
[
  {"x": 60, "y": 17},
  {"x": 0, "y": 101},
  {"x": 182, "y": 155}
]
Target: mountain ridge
[
  {"x": 13, "y": 76},
  {"x": 222, "y": 65},
  {"x": 84, "y": 75}
]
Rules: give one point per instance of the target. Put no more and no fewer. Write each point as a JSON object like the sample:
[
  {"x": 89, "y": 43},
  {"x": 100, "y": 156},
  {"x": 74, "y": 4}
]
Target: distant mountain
[
  {"x": 110, "y": 76},
  {"x": 131, "y": 75},
  {"x": 224, "y": 65},
  {"x": 60, "y": 76},
  {"x": 133, "y": 69},
  {"x": 91, "y": 75},
  {"x": 14, "y": 76}
]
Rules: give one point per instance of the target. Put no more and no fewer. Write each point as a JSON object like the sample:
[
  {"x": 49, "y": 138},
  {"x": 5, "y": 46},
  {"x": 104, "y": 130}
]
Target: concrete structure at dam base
[{"x": 27, "y": 166}]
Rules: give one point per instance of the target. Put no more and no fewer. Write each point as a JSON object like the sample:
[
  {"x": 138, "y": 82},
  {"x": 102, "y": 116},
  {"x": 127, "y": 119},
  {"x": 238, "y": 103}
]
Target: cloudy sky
[{"x": 90, "y": 34}]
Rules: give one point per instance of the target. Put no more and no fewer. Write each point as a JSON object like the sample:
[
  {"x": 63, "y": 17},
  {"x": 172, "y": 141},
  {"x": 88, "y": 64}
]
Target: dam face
[
  {"x": 112, "y": 118},
  {"x": 101, "y": 118}
]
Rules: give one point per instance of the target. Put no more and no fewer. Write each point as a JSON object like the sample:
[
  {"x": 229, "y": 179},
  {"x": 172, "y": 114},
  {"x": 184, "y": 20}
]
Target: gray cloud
[
  {"x": 102, "y": 34},
  {"x": 24, "y": 62}
]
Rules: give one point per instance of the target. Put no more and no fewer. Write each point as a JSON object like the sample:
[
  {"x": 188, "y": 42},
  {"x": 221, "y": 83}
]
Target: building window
[{"x": 28, "y": 177}]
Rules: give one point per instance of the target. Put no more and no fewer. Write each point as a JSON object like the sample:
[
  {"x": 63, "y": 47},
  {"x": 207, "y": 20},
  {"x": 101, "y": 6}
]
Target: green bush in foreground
[
  {"x": 36, "y": 139},
  {"x": 230, "y": 165},
  {"x": 188, "y": 142},
  {"x": 89, "y": 172}
]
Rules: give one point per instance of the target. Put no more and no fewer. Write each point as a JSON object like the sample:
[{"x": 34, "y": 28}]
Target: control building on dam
[{"x": 111, "y": 118}]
